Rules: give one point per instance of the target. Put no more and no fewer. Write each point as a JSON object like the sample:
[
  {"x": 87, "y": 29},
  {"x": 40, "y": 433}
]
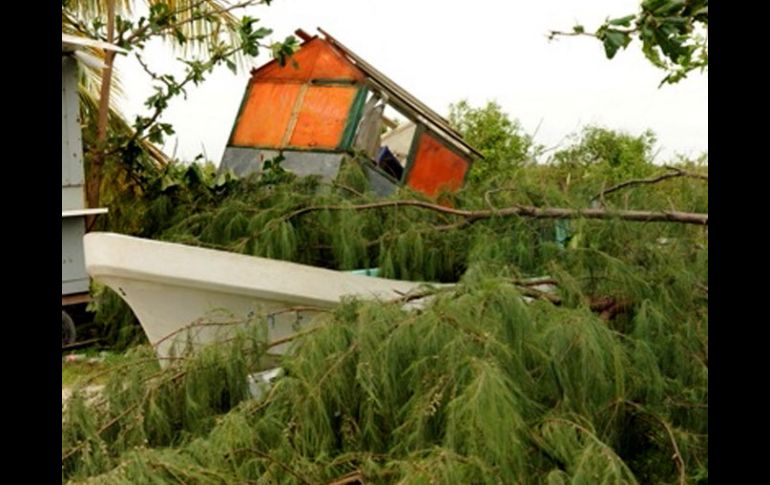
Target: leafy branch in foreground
[
  {"x": 604, "y": 378},
  {"x": 208, "y": 27},
  {"x": 674, "y": 35},
  {"x": 478, "y": 387}
]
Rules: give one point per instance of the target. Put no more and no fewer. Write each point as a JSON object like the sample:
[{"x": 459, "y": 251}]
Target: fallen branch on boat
[{"x": 201, "y": 322}]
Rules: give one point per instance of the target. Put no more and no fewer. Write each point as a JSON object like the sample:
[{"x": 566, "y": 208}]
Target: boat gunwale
[{"x": 99, "y": 251}]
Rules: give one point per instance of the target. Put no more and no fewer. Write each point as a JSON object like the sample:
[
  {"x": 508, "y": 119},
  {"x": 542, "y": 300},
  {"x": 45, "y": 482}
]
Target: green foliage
[
  {"x": 674, "y": 35},
  {"x": 208, "y": 33},
  {"x": 501, "y": 140},
  {"x": 478, "y": 387},
  {"x": 610, "y": 152}
]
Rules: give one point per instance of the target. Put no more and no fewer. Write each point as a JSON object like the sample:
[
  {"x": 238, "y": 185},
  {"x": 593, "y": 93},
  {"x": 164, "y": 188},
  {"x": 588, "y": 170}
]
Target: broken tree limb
[
  {"x": 674, "y": 172},
  {"x": 349, "y": 479},
  {"x": 607, "y": 307},
  {"x": 524, "y": 211},
  {"x": 687, "y": 173}
]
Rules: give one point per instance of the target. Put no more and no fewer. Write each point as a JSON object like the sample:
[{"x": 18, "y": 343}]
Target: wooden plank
[
  {"x": 322, "y": 118},
  {"x": 294, "y": 115},
  {"x": 266, "y": 115}
]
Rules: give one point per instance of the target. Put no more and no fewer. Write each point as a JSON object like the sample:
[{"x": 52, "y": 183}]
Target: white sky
[{"x": 443, "y": 51}]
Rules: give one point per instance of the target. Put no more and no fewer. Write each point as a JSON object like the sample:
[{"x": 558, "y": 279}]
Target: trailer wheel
[{"x": 68, "y": 334}]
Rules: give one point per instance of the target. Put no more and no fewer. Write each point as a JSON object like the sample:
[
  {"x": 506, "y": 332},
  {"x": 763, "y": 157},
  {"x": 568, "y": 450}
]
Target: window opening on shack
[
  {"x": 385, "y": 135},
  {"x": 395, "y": 143}
]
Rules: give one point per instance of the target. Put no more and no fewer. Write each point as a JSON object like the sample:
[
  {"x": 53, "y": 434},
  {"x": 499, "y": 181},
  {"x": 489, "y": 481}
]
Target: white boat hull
[{"x": 183, "y": 294}]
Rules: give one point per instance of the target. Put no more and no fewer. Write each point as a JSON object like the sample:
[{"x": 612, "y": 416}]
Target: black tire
[{"x": 68, "y": 334}]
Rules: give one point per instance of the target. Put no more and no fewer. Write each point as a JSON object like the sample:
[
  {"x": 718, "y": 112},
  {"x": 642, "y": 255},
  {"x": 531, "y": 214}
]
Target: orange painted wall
[
  {"x": 276, "y": 93},
  {"x": 330, "y": 65},
  {"x": 265, "y": 114},
  {"x": 322, "y": 117},
  {"x": 315, "y": 60},
  {"x": 436, "y": 167}
]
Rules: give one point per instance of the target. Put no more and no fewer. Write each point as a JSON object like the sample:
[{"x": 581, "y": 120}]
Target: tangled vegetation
[{"x": 603, "y": 381}]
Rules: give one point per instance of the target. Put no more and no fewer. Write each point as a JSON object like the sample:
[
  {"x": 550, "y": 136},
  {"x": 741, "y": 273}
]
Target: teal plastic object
[
  {"x": 367, "y": 272},
  {"x": 563, "y": 232}
]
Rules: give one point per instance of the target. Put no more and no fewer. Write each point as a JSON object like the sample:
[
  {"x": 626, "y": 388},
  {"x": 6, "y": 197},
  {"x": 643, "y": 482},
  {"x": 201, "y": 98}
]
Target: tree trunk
[{"x": 94, "y": 176}]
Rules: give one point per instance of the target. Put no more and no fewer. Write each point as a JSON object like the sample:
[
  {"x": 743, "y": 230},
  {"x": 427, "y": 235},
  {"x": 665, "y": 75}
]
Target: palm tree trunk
[{"x": 94, "y": 179}]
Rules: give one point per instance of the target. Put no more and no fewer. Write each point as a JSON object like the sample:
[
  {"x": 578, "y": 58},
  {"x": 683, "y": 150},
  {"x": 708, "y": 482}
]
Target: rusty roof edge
[{"x": 440, "y": 125}]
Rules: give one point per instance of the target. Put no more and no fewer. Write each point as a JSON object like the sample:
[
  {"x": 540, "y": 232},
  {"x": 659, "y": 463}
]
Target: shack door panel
[
  {"x": 436, "y": 167},
  {"x": 322, "y": 117}
]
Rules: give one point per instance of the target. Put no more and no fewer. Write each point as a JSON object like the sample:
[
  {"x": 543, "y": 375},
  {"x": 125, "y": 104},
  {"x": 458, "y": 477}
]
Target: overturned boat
[{"x": 184, "y": 295}]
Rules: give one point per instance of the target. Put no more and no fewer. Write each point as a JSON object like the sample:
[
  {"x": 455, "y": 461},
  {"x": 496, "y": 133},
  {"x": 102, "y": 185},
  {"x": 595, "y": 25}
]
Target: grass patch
[{"x": 88, "y": 367}]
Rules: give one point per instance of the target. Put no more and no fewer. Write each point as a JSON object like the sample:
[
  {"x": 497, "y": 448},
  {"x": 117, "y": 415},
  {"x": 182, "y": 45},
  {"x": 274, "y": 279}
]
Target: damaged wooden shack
[{"x": 327, "y": 104}]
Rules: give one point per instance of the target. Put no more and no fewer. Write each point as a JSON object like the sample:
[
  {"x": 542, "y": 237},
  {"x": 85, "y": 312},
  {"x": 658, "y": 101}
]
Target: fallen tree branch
[
  {"x": 607, "y": 307},
  {"x": 82, "y": 343},
  {"x": 275, "y": 461},
  {"x": 349, "y": 479},
  {"x": 687, "y": 173},
  {"x": 545, "y": 280},
  {"x": 674, "y": 172},
  {"x": 201, "y": 322},
  {"x": 472, "y": 216}
]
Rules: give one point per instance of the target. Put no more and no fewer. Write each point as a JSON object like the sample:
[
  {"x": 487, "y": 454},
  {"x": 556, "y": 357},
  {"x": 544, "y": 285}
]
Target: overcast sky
[{"x": 443, "y": 51}]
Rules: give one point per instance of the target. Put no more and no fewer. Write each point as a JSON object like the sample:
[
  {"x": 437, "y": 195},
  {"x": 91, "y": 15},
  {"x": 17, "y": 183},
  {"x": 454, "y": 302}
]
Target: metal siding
[
  {"x": 74, "y": 278},
  {"x": 379, "y": 183},
  {"x": 266, "y": 115},
  {"x": 322, "y": 117},
  {"x": 436, "y": 167},
  {"x": 72, "y": 198},
  {"x": 325, "y": 165},
  {"x": 242, "y": 161},
  {"x": 245, "y": 161},
  {"x": 71, "y": 141}
]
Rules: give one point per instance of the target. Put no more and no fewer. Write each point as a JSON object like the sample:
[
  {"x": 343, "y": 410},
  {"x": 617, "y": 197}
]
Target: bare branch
[
  {"x": 674, "y": 173},
  {"x": 687, "y": 173},
  {"x": 472, "y": 216},
  {"x": 557, "y": 33}
]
